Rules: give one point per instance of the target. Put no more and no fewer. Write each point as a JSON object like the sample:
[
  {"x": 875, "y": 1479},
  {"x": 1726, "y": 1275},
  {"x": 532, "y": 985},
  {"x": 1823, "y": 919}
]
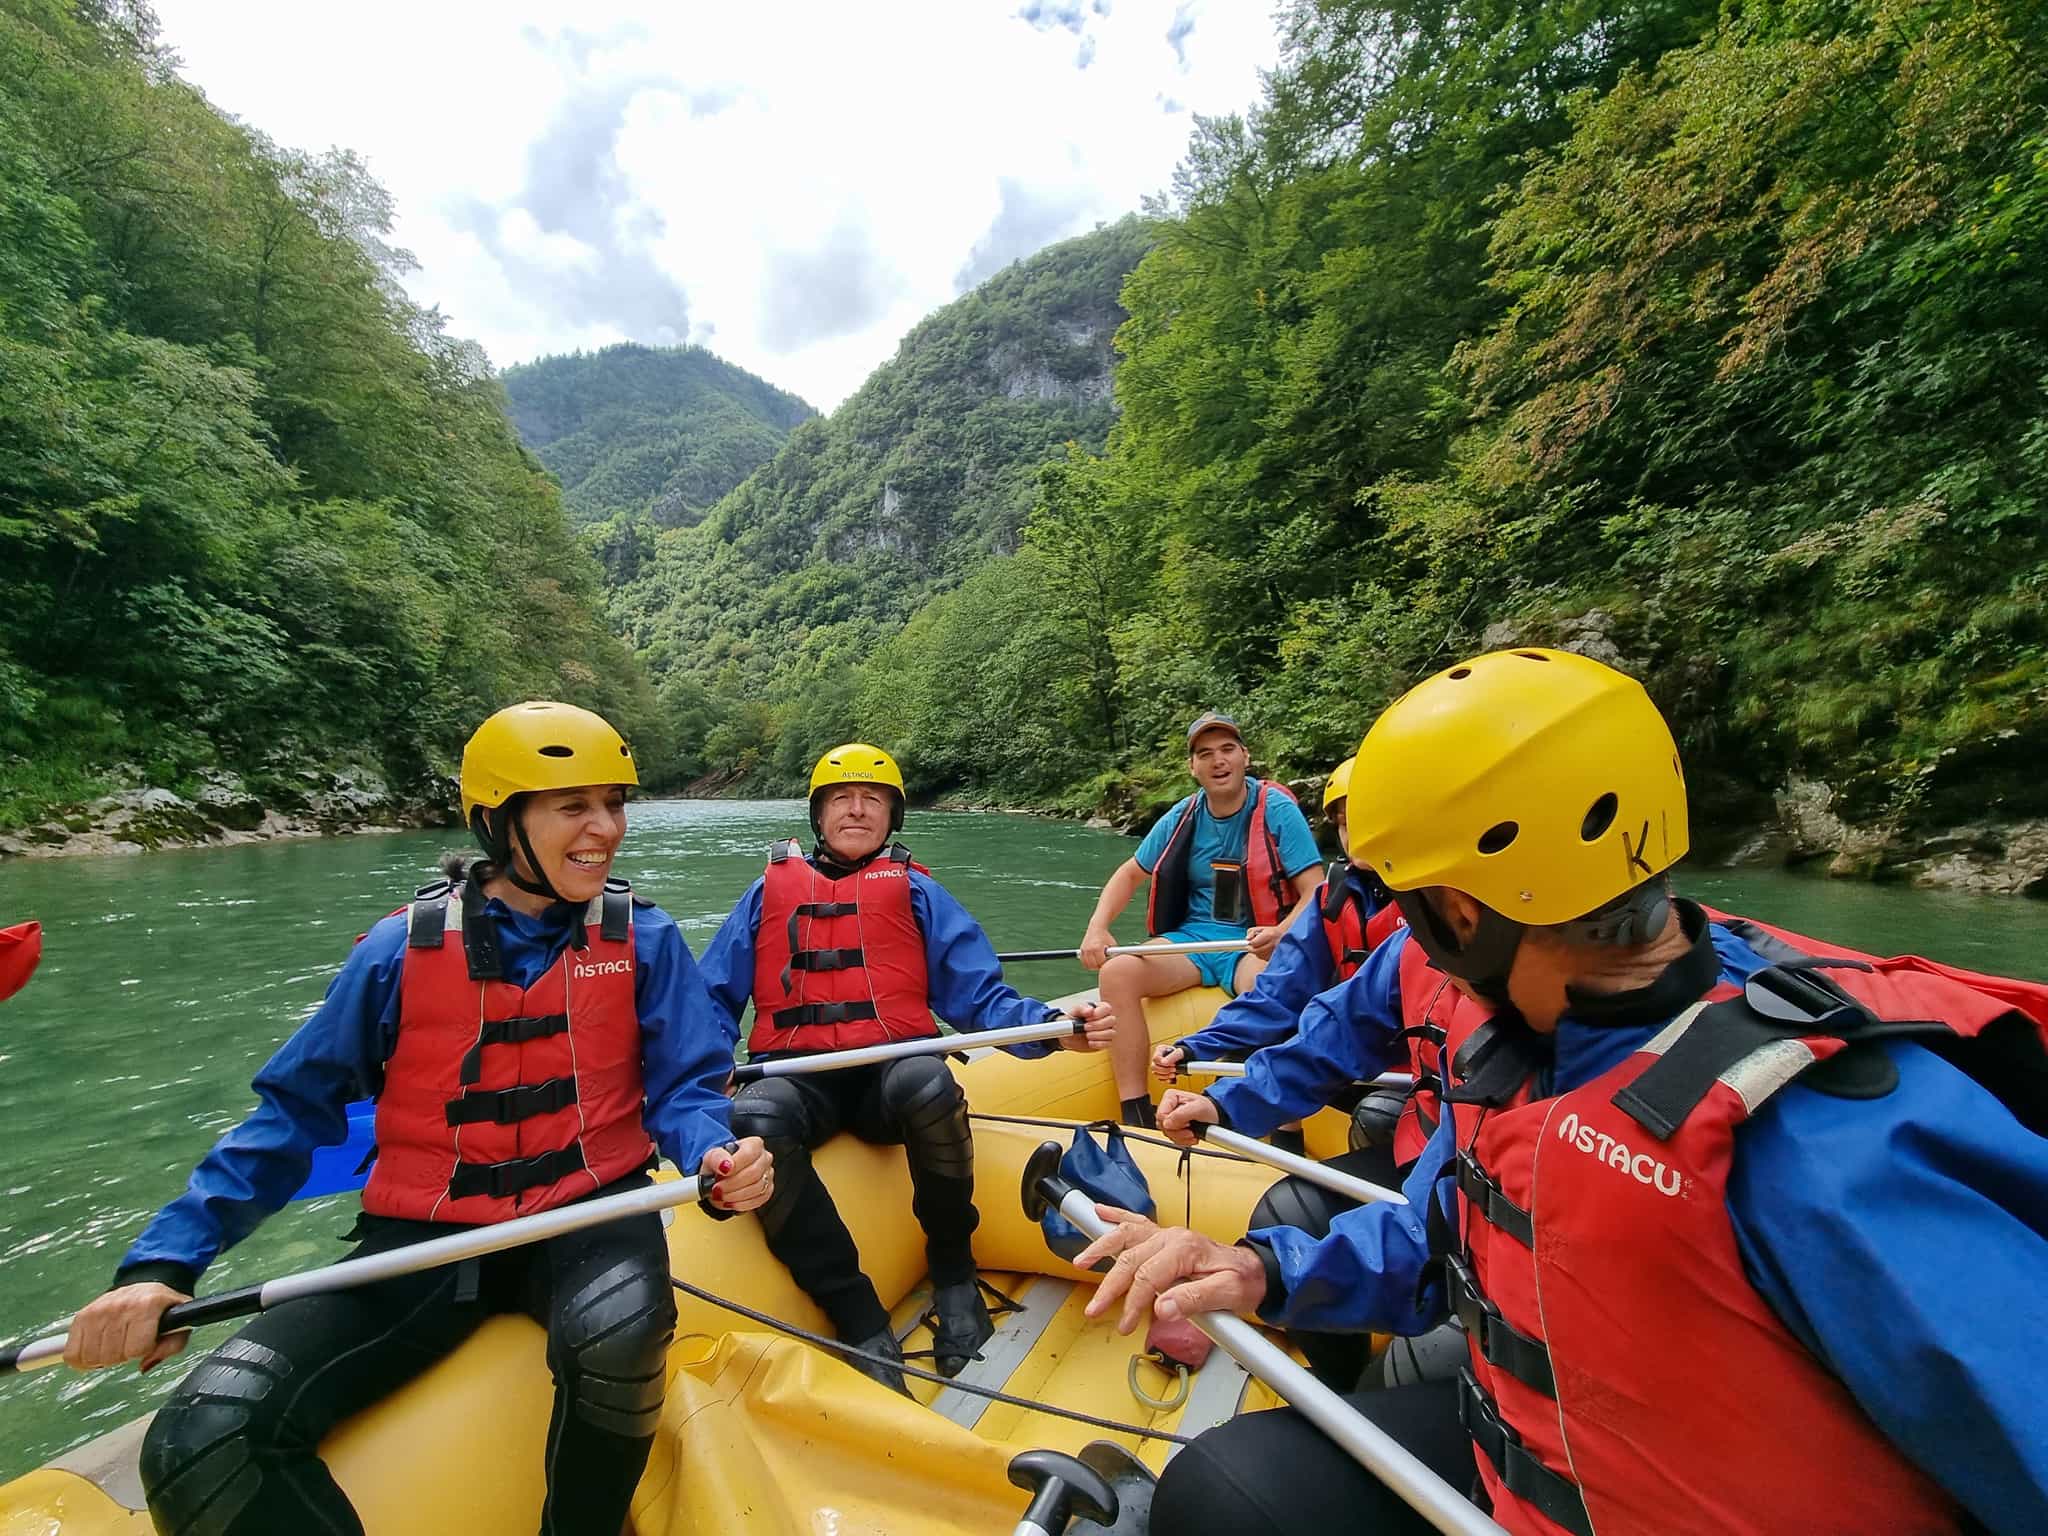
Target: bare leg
[{"x": 1127, "y": 980}]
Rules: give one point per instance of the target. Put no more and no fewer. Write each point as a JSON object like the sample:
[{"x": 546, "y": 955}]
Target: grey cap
[{"x": 1211, "y": 720}]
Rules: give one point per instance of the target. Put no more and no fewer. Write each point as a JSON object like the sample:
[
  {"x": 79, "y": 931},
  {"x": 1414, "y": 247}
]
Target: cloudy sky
[{"x": 791, "y": 184}]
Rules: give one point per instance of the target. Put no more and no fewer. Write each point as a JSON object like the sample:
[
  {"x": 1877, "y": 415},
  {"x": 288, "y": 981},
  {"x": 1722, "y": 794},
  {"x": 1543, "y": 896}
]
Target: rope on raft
[{"x": 851, "y": 1351}]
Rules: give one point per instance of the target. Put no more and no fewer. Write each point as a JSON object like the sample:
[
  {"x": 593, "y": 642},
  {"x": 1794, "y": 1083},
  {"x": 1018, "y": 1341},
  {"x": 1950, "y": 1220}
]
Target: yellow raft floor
[{"x": 763, "y": 1435}]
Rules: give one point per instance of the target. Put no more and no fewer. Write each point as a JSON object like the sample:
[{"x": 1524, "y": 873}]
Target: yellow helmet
[
  {"x": 540, "y": 745},
  {"x": 1541, "y": 783},
  {"x": 1340, "y": 783},
  {"x": 857, "y": 763}
]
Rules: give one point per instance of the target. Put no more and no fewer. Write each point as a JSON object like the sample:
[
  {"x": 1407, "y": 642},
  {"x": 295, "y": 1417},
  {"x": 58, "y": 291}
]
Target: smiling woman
[{"x": 534, "y": 1062}]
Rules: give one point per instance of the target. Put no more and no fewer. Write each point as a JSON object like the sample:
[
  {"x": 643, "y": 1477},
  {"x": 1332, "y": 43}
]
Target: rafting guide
[
  {"x": 531, "y": 1031},
  {"x": 853, "y": 944},
  {"x": 1850, "y": 1136},
  {"x": 1234, "y": 859}
]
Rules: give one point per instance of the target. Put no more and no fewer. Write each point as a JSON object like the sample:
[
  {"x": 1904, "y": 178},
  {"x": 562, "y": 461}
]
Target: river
[{"x": 167, "y": 979}]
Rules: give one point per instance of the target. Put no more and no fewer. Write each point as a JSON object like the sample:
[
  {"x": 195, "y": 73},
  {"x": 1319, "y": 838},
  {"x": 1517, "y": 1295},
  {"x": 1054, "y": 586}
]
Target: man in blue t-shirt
[{"x": 1235, "y": 860}]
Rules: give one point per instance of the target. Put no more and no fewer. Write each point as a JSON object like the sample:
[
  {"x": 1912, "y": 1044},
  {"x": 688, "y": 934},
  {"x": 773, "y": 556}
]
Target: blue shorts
[{"x": 1216, "y": 970}]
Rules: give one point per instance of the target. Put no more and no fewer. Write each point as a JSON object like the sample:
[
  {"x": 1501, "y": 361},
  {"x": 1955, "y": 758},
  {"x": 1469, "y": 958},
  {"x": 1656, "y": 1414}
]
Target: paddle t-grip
[
  {"x": 1061, "y": 1487},
  {"x": 1043, "y": 1187}
]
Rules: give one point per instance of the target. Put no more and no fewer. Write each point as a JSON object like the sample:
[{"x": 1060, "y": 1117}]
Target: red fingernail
[{"x": 726, "y": 1166}]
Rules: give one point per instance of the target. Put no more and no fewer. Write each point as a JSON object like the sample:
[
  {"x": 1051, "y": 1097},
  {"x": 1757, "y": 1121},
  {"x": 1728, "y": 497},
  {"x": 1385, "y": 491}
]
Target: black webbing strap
[
  {"x": 796, "y": 952},
  {"x": 1498, "y": 1341},
  {"x": 503, "y": 1180},
  {"x": 479, "y": 936},
  {"x": 1779, "y": 1002},
  {"x": 509, "y": 1032},
  {"x": 426, "y": 926},
  {"x": 822, "y": 909},
  {"x": 505, "y": 1106},
  {"x": 1557, "y": 1498},
  {"x": 615, "y": 921},
  {"x": 827, "y": 960},
  {"x": 823, "y": 1013},
  {"x": 1477, "y": 1185},
  {"x": 1494, "y": 1062}
]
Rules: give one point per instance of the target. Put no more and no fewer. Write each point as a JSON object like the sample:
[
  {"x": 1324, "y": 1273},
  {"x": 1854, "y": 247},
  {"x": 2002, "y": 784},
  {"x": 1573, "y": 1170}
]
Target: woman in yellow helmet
[
  {"x": 531, "y": 1032},
  {"x": 848, "y": 945}
]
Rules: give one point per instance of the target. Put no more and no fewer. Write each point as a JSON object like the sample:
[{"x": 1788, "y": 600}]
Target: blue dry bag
[{"x": 1109, "y": 1174}]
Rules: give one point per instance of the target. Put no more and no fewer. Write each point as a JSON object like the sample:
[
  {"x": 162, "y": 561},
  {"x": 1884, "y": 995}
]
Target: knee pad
[
  {"x": 774, "y": 1111},
  {"x": 1298, "y": 1203},
  {"x": 612, "y": 1345},
  {"x": 199, "y": 1459},
  {"x": 1374, "y": 1117},
  {"x": 920, "y": 1095}
]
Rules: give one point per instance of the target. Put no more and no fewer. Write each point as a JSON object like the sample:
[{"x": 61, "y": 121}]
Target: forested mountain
[
  {"x": 756, "y": 620},
  {"x": 257, "y": 511},
  {"x": 646, "y": 437},
  {"x": 1712, "y": 339}
]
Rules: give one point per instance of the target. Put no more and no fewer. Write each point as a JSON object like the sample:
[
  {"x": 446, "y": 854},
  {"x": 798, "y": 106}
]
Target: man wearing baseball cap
[{"x": 1236, "y": 859}]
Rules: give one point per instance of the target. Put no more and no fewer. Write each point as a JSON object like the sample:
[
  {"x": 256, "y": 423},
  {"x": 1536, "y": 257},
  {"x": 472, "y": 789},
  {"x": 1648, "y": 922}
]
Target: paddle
[
  {"x": 935, "y": 1045},
  {"x": 1361, "y": 1190},
  {"x": 1364, "y": 1441},
  {"x": 469, "y": 1243},
  {"x": 1184, "y": 947}
]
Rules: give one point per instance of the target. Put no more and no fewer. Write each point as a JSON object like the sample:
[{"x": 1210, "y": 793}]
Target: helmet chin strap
[
  {"x": 496, "y": 834},
  {"x": 1482, "y": 961},
  {"x": 541, "y": 886}
]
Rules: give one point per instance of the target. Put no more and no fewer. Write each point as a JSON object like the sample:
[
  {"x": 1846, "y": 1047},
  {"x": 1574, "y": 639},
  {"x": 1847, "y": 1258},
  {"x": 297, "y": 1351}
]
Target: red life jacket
[
  {"x": 1166, "y": 905},
  {"x": 1436, "y": 1019},
  {"x": 1626, "y": 1377},
  {"x": 501, "y": 1101},
  {"x": 838, "y": 963}
]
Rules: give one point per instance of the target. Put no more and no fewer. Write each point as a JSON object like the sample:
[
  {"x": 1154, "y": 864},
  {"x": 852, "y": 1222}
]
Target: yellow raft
[{"x": 761, "y": 1434}]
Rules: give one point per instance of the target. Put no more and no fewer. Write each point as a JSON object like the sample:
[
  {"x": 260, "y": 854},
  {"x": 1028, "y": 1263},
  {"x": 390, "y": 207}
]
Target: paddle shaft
[
  {"x": 469, "y": 1243},
  {"x": 1187, "y": 947},
  {"x": 1308, "y": 1168},
  {"x": 1237, "y": 1068},
  {"x": 1364, "y": 1441},
  {"x": 895, "y": 1050}
]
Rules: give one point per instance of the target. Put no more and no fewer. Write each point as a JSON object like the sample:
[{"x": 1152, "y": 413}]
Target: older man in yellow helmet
[
  {"x": 1740, "y": 1224},
  {"x": 848, "y": 945}
]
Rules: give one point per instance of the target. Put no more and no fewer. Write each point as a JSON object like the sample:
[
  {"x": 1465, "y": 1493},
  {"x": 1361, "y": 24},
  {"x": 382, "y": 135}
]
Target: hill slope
[
  {"x": 755, "y": 619},
  {"x": 663, "y": 430}
]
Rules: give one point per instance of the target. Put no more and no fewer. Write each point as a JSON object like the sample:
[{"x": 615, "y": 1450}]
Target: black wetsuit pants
[
  {"x": 236, "y": 1448},
  {"x": 915, "y": 1102},
  {"x": 1276, "y": 1474}
]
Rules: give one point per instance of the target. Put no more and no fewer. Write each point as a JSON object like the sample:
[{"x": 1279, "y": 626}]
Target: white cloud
[{"x": 793, "y": 184}]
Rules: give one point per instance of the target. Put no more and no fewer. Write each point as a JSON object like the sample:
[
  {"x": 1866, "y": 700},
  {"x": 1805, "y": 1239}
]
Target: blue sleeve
[
  {"x": 1290, "y": 828},
  {"x": 303, "y": 1093},
  {"x": 963, "y": 974},
  {"x": 1301, "y": 967},
  {"x": 686, "y": 1044},
  {"x": 1372, "y": 1272},
  {"x": 1347, "y": 1034},
  {"x": 1155, "y": 840},
  {"x": 1905, "y": 1241},
  {"x": 727, "y": 968}
]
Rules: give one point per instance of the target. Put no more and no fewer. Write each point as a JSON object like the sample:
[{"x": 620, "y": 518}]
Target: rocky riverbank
[{"x": 226, "y": 810}]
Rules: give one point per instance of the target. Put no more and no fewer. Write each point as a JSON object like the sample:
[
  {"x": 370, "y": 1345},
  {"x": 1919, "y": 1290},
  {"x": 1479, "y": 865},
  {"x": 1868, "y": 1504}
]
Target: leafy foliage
[{"x": 256, "y": 509}]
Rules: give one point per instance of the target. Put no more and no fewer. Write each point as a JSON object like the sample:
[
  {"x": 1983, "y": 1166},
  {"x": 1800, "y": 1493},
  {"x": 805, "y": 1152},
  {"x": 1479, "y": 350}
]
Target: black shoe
[
  {"x": 1139, "y": 1114},
  {"x": 961, "y": 1325},
  {"x": 1295, "y": 1141},
  {"x": 883, "y": 1344}
]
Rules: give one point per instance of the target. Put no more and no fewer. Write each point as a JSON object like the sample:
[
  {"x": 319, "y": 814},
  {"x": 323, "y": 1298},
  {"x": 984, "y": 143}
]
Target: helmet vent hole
[
  {"x": 1599, "y": 817},
  {"x": 1532, "y": 655},
  {"x": 557, "y": 751},
  {"x": 1498, "y": 836},
  {"x": 1461, "y": 672},
  {"x": 624, "y": 750}
]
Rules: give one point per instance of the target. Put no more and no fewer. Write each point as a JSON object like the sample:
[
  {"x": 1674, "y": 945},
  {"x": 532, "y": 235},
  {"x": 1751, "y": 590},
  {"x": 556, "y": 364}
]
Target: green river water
[{"x": 167, "y": 980}]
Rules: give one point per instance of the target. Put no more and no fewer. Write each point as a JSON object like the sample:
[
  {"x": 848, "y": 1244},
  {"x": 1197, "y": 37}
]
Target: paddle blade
[
  {"x": 21, "y": 947},
  {"x": 337, "y": 1170}
]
